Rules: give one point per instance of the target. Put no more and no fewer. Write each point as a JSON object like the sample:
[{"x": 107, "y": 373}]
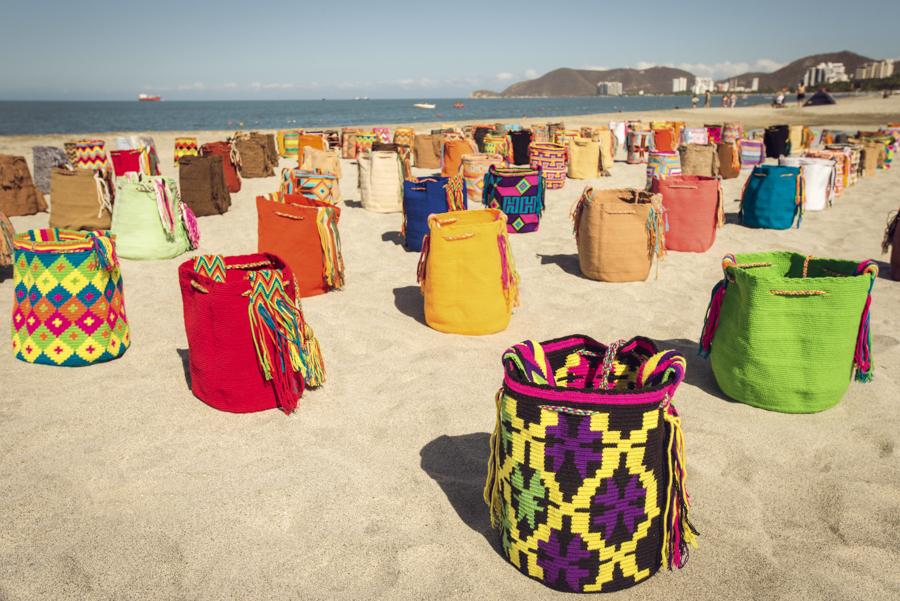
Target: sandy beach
[{"x": 117, "y": 483}]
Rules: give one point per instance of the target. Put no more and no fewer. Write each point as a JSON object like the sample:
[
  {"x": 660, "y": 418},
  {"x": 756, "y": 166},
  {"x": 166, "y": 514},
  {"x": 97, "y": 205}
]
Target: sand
[{"x": 116, "y": 483}]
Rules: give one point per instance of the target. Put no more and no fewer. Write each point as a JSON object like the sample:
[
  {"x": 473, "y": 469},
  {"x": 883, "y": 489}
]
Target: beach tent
[{"x": 819, "y": 98}]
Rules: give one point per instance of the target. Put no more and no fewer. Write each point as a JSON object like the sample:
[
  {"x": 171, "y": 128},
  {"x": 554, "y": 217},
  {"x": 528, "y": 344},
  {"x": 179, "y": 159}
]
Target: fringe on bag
[{"x": 333, "y": 260}]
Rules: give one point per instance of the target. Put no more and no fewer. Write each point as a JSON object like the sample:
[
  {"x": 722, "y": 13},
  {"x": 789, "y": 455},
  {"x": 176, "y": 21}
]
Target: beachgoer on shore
[{"x": 801, "y": 94}]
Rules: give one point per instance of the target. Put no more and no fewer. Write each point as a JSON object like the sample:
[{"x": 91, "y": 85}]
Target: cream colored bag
[
  {"x": 584, "y": 158},
  {"x": 321, "y": 161},
  {"x": 381, "y": 181},
  {"x": 699, "y": 159}
]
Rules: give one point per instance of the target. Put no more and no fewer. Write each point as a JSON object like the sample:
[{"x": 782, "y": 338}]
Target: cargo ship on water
[{"x": 148, "y": 98}]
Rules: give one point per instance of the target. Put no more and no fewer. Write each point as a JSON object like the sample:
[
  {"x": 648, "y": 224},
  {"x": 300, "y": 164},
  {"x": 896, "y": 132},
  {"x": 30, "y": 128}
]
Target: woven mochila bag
[
  {"x": 304, "y": 233},
  {"x": 892, "y": 241},
  {"x": 732, "y": 132},
  {"x": 713, "y": 133},
  {"x": 129, "y": 161},
  {"x": 752, "y": 152},
  {"x": 729, "y": 160},
  {"x": 584, "y": 158},
  {"x": 773, "y": 198},
  {"x": 552, "y": 160},
  {"x": 44, "y": 159},
  {"x": 785, "y": 331},
  {"x": 872, "y": 157},
  {"x": 186, "y": 147},
  {"x": 202, "y": 183},
  {"x": 452, "y": 153},
  {"x": 694, "y": 135},
  {"x": 699, "y": 159},
  {"x": 382, "y": 134},
  {"x": 348, "y": 142},
  {"x": 364, "y": 141},
  {"x": 91, "y": 154},
  {"x": 81, "y": 200},
  {"x": 777, "y": 141},
  {"x": 327, "y": 162},
  {"x": 661, "y": 165},
  {"x": 694, "y": 209},
  {"x": 18, "y": 194},
  {"x": 519, "y": 193},
  {"x": 150, "y": 221},
  {"x": 308, "y": 140},
  {"x": 474, "y": 168},
  {"x": 7, "y": 235},
  {"x": 586, "y": 476},
  {"x": 540, "y": 134},
  {"x": 290, "y": 144},
  {"x": 520, "y": 142},
  {"x": 497, "y": 144},
  {"x": 467, "y": 274},
  {"x": 230, "y": 163},
  {"x": 664, "y": 140},
  {"x": 404, "y": 136},
  {"x": 638, "y": 143},
  {"x": 818, "y": 176},
  {"x": 381, "y": 182},
  {"x": 315, "y": 186},
  {"x": 68, "y": 306},
  {"x": 250, "y": 347},
  {"x": 254, "y": 158},
  {"x": 428, "y": 196},
  {"x": 841, "y": 163},
  {"x": 427, "y": 151},
  {"x": 796, "y": 138},
  {"x": 618, "y": 233},
  {"x": 852, "y": 158}
]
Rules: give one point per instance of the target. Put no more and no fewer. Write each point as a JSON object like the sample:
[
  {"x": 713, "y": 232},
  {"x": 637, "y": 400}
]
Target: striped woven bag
[
  {"x": 661, "y": 165},
  {"x": 753, "y": 153},
  {"x": 785, "y": 331},
  {"x": 586, "y": 476}
]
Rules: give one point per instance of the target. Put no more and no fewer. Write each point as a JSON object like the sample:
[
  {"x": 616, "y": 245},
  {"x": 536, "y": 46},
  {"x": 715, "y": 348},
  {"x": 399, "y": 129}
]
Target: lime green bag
[
  {"x": 784, "y": 331},
  {"x": 150, "y": 221}
]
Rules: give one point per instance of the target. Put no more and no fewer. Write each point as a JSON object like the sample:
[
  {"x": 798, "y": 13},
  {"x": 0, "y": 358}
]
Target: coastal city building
[
  {"x": 875, "y": 70},
  {"x": 609, "y": 88},
  {"x": 824, "y": 73},
  {"x": 703, "y": 85},
  {"x": 754, "y": 85},
  {"x": 679, "y": 84}
]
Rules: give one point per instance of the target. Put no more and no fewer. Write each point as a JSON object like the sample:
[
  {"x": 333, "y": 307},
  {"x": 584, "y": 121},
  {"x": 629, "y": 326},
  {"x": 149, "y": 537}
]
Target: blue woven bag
[
  {"x": 428, "y": 196},
  {"x": 772, "y": 198}
]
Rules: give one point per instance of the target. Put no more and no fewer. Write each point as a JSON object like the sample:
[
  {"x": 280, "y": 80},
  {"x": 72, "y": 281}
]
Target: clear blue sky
[{"x": 274, "y": 49}]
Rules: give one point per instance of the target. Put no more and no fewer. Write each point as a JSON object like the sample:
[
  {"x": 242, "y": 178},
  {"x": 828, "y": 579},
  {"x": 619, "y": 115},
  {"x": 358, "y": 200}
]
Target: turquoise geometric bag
[{"x": 784, "y": 331}]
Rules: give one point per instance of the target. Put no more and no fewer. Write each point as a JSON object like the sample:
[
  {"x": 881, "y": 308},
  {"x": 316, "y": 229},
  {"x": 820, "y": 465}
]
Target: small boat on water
[
  {"x": 424, "y": 105},
  {"x": 459, "y": 105},
  {"x": 148, "y": 98}
]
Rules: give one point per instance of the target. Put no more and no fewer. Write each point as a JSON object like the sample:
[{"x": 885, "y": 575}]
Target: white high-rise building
[
  {"x": 702, "y": 84},
  {"x": 824, "y": 73},
  {"x": 679, "y": 84},
  {"x": 875, "y": 70},
  {"x": 609, "y": 88},
  {"x": 754, "y": 85}
]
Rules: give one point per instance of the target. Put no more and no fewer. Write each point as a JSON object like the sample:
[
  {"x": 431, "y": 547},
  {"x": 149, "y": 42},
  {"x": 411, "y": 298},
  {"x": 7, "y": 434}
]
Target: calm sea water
[{"x": 75, "y": 117}]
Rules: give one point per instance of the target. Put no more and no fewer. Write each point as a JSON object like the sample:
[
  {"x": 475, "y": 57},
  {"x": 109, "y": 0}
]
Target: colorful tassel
[
  {"x": 492, "y": 497},
  {"x": 711, "y": 323},
  {"x": 330, "y": 238},
  {"x": 862, "y": 356},
  {"x": 508, "y": 274},
  {"x": 678, "y": 532},
  {"x": 421, "y": 268},
  {"x": 190, "y": 225}
]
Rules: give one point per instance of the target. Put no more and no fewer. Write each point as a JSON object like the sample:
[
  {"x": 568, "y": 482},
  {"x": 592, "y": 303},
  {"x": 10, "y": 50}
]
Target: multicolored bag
[
  {"x": 818, "y": 180},
  {"x": 540, "y": 133},
  {"x": 91, "y": 154},
  {"x": 772, "y": 198},
  {"x": 7, "y": 235},
  {"x": 638, "y": 143},
  {"x": 428, "y": 196},
  {"x": 552, "y": 160},
  {"x": 467, "y": 274},
  {"x": 315, "y": 186},
  {"x": 327, "y": 162},
  {"x": 752, "y": 152},
  {"x": 497, "y": 144},
  {"x": 348, "y": 142},
  {"x": 150, "y": 221},
  {"x": 699, "y": 159},
  {"x": 732, "y": 132},
  {"x": 474, "y": 168},
  {"x": 186, "y": 147},
  {"x": 891, "y": 241},
  {"x": 404, "y": 136},
  {"x": 694, "y": 135},
  {"x": 586, "y": 476},
  {"x": 714, "y": 133},
  {"x": 69, "y": 307},
  {"x": 202, "y": 180},
  {"x": 364, "y": 141},
  {"x": 81, "y": 200},
  {"x": 519, "y": 193},
  {"x": 381, "y": 181},
  {"x": 618, "y": 233},
  {"x": 18, "y": 194},
  {"x": 44, "y": 159},
  {"x": 584, "y": 158},
  {"x": 289, "y": 144},
  {"x": 303, "y": 232},
  {"x": 230, "y": 163},
  {"x": 841, "y": 166},
  {"x": 694, "y": 208},
  {"x": 661, "y": 165},
  {"x": 382, "y": 134},
  {"x": 250, "y": 347},
  {"x": 784, "y": 331}
]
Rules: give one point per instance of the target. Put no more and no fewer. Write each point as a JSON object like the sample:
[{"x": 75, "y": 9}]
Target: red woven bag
[
  {"x": 225, "y": 366},
  {"x": 694, "y": 210},
  {"x": 223, "y": 149}
]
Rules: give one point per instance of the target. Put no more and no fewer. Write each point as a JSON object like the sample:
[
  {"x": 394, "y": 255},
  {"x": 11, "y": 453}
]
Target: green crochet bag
[
  {"x": 150, "y": 221},
  {"x": 784, "y": 331}
]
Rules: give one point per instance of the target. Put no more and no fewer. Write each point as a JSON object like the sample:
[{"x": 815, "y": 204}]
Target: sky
[{"x": 275, "y": 49}]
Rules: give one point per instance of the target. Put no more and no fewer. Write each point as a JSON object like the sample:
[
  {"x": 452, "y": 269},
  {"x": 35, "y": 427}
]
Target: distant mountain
[
  {"x": 583, "y": 82},
  {"x": 792, "y": 74}
]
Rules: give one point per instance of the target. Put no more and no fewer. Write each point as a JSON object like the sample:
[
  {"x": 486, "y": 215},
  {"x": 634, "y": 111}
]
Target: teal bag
[
  {"x": 783, "y": 331},
  {"x": 772, "y": 198},
  {"x": 150, "y": 221}
]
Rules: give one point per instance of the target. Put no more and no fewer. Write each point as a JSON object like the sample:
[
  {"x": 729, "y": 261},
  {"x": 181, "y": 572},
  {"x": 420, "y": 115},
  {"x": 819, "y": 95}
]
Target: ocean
[{"x": 50, "y": 117}]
